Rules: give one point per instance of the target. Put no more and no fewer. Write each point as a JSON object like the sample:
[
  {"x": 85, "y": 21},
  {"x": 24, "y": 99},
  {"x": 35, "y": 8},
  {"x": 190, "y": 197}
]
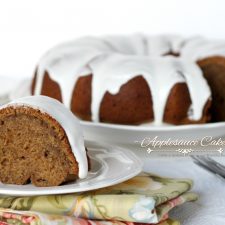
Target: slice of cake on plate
[{"x": 40, "y": 141}]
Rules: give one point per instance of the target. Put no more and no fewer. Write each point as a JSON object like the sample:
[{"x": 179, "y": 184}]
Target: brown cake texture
[
  {"x": 214, "y": 71},
  {"x": 34, "y": 147},
  {"x": 132, "y": 105}
]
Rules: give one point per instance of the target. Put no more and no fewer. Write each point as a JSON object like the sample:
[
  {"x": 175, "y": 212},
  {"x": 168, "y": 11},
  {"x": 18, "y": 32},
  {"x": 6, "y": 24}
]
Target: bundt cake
[
  {"x": 136, "y": 79},
  {"x": 41, "y": 142}
]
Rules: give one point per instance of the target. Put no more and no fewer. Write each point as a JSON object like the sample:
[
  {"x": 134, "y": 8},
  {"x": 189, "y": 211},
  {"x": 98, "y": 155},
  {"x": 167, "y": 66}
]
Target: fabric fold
[
  {"x": 145, "y": 198},
  {"x": 8, "y": 217}
]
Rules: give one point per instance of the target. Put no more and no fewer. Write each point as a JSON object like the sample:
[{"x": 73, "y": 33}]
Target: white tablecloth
[{"x": 210, "y": 208}]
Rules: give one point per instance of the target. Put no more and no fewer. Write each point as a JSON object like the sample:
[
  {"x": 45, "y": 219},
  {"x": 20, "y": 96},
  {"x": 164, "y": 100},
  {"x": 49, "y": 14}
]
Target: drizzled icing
[
  {"x": 198, "y": 48},
  {"x": 160, "y": 45},
  {"x": 114, "y": 60},
  {"x": 66, "y": 119}
]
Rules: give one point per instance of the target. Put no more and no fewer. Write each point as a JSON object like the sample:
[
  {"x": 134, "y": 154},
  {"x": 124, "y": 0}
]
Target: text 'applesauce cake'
[{"x": 40, "y": 142}]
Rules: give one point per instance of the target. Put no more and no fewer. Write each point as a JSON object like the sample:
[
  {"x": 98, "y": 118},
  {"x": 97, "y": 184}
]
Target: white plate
[
  {"x": 109, "y": 165},
  {"x": 130, "y": 135}
]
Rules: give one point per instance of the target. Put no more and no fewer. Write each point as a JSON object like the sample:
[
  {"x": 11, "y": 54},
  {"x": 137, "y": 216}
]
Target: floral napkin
[
  {"x": 145, "y": 198},
  {"x": 9, "y": 217}
]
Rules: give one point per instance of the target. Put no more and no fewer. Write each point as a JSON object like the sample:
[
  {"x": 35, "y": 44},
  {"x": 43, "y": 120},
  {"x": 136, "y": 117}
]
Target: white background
[{"x": 28, "y": 28}]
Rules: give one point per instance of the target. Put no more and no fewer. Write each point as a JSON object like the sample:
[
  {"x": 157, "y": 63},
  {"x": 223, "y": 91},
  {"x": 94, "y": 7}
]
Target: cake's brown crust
[
  {"x": 132, "y": 105},
  {"x": 34, "y": 147},
  {"x": 214, "y": 72},
  {"x": 50, "y": 88},
  {"x": 33, "y": 83},
  {"x": 81, "y": 99},
  {"x": 178, "y": 104}
]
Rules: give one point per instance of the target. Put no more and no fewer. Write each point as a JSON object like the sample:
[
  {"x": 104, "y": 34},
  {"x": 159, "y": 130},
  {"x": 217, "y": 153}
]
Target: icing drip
[
  {"x": 66, "y": 119},
  {"x": 114, "y": 60}
]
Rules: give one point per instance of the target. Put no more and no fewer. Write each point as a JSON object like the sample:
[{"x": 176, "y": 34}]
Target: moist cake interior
[{"x": 33, "y": 147}]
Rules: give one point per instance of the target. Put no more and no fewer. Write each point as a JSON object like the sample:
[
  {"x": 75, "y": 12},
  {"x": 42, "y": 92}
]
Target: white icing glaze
[
  {"x": 114, "y": 60},
  {"x": 66, "y": 119},
  {"x": 128, "y": 45},
  {"x": 160, "y": 45},
  {"x": 199, "y": 48}
]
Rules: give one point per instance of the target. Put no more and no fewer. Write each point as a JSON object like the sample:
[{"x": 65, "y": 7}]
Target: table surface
[{"x": 210, "y": 208}]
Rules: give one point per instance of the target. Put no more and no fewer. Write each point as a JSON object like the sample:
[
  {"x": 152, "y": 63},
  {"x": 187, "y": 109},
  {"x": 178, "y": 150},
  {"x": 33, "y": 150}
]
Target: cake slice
[{"x": 40, "y": 142}]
